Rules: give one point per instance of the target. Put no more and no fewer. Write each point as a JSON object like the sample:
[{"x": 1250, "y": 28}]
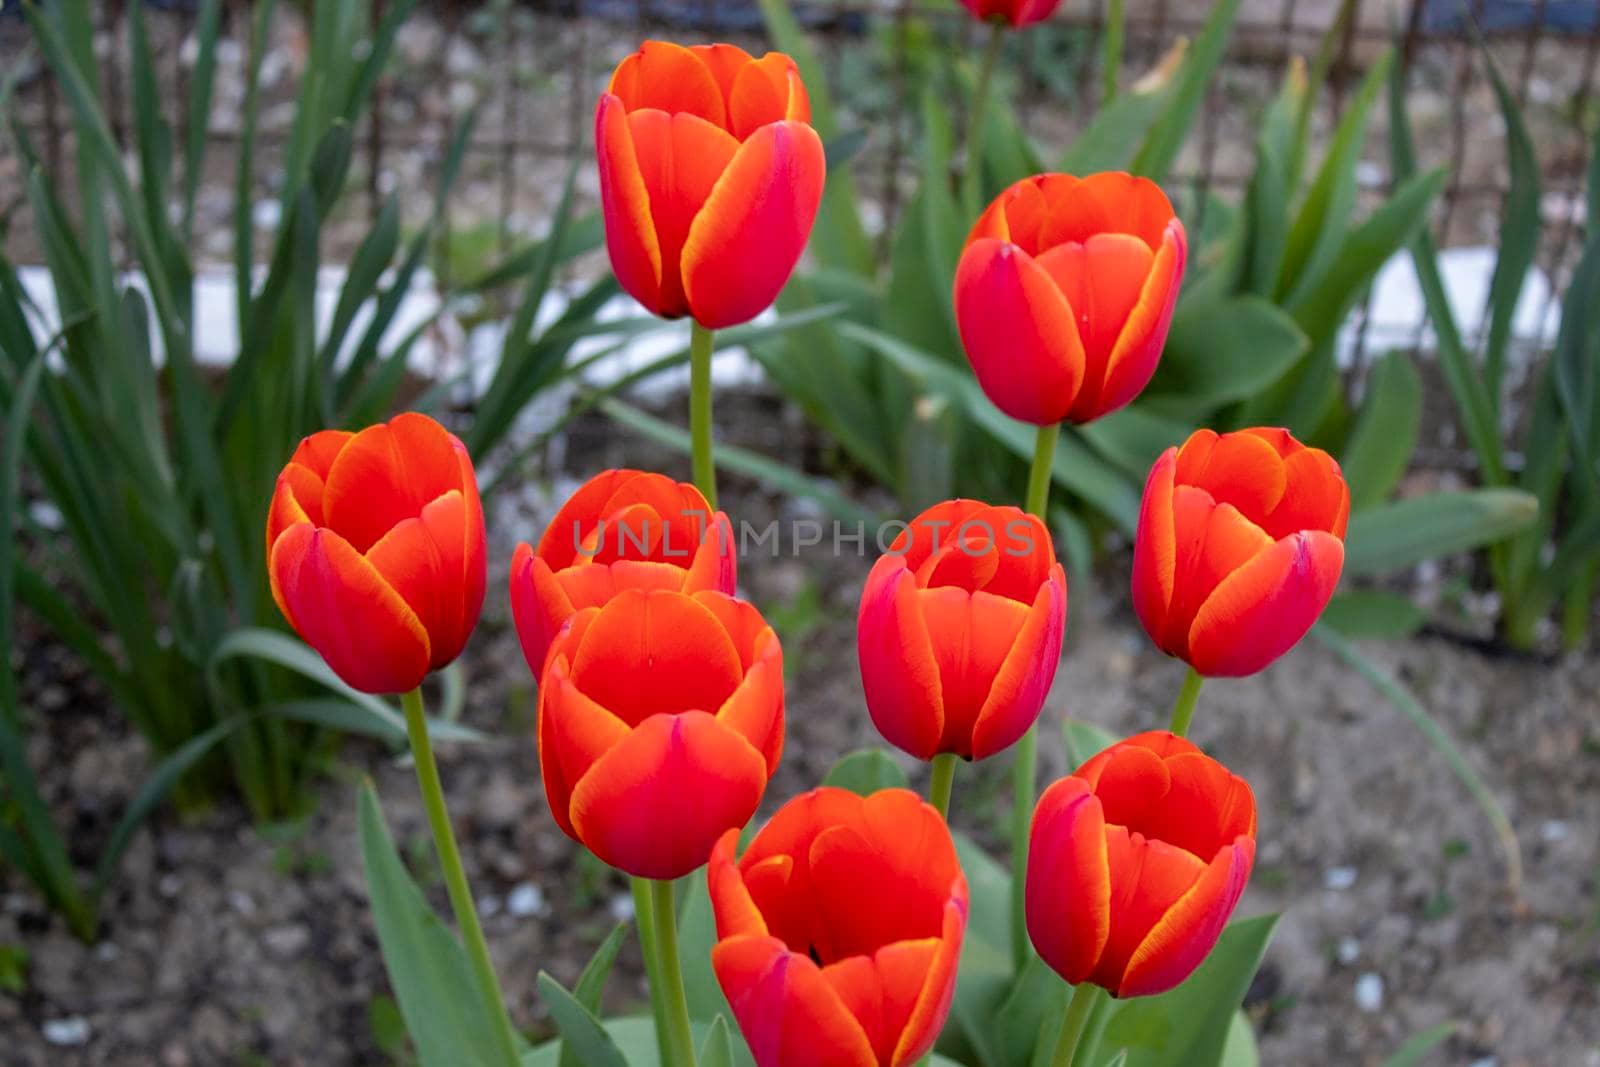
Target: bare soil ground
[{"x": 226, "y": 943}]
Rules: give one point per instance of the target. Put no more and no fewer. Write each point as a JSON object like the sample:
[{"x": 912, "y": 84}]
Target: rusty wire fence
[{"x": 533, "y": 71}]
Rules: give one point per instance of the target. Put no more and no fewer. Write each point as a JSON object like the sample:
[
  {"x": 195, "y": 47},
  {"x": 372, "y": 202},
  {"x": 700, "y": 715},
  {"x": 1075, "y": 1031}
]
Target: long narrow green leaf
[
  {"x": 1118, "y": 129},
  {"x": 1519, "y": 230},
  {"x": 155, "y": 789},
  {"x": 1319, "y": 228},
  {"x": 1408, "y": 705},
  {"x": 39, "y": 837},
  {"x": 1380, "y": 446},
  {"x": 201, "y": 81},
  {"x": 1417, "y": 1048},
  {"x": 1402, "y": 534},
  {"x": 283, "y": 650},
  {"x": 1466, "y": 385},
  {"x": 1166, "y": 137},
  {"x": 244, "y": 190}
]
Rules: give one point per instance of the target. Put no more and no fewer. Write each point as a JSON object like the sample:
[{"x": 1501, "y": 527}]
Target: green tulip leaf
[
  {"x": 581, "y": 1033},
  {"x": 1402, "y": 534},
  {"x": 1193, "y": 1023},
  {"x": 1373, "y": 613},
  {"x": 866, "y": 771},
  {"x": 432, "y": 980}
]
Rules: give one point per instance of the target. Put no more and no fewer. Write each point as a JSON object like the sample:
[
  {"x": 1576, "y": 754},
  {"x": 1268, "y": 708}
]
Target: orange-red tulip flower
[
  {"x": 622, "y": 529},
  {"x": 839, "y": 930},
  {"x": 960, "y": 629},
  {"x": 1135, "y": 862},
  {"x": 375, "y": 550},
  {"x": 1239, "y": 547},
  {"x": 660, "y": 721},
  {"x": 1064, "y": 293},
  {"x": 1016, "y": 13},
  {"x": 710, "y": 178}
]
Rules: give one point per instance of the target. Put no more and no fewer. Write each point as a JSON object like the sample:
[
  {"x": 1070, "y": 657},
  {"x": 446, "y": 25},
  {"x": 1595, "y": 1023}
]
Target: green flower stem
[
  {"x": 1024, "y": 771},
  {"x": 701, "y": 341},
  {"x": 1084, "y": 999},
  {"x": 455, "y": 877},
  {"x": 668, "y": 992},
  {"x": 1183, "y": 710},
  {"x": 944, "y": 777},
  {"x": 972, "y": 180},
  {"x": 644, "y": 922}
]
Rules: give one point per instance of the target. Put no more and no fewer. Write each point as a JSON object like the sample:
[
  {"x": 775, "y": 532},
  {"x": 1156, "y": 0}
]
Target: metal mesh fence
[{"x": 533, "y": 71}]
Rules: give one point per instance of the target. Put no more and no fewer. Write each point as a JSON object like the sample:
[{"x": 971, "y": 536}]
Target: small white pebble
[
  {"x": 1369, "y": 992},
  {"x": 1486, "y": 1061},
  {"x": 106, "y": 951},
  {"x": 1349, "y": 950},
  {"x": 1339, "y": 878},
  {"x": 525, "y": 900},
  {"x": 170, "y": 885},
  {"x": 73, "y": 1030},
  {"x": 489, "y": 906},
  {"x": 242, "y": 902},
  {"x": 1554, "y": 830},
  {"x": 621, "y": 907}
]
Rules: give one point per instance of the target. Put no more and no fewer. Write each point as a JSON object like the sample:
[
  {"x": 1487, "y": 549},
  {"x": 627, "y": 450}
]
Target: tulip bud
[
  {"x": 660, "y": 721},
  {"x": 710, "y": 178},
  {"x": 1065, "y": 291},
  {"x": 375, "y": 550},
  {"x": 960, "y": 630},
  {"x": 839, "y": 930},
  {"x": 1135, "y": 863},
  {"x": 1015, "y": 13},
  {"x": 1239, "y": 547}
]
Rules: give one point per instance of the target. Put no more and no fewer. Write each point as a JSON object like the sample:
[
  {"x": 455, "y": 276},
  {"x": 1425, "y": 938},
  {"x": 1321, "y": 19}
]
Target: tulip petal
[
  {"x": 932, "y": 1006},
  {"x": 1147, "y": 878},
  {"x": 788, "y": 1013},
  {"x": 317, "y": 452},
  {"x": 410, "y": 561},
  {"x": 1019, "y": 332},
  {"x": 1025, "y": 675},
  {"x": 574, "y": 734},
  {"x": 1068, "y": 892},
  {"x": 297, "y": 486},
  {"x": 724, "y": 61},
  {"x": 1224, "y": 543},
  {"x": 668, "y": 77},
  {"x": 655, "y": 803},
  {"x": 631, "y": 239},
  {"x": 881, "y": 990},
  {"x": 1108, "y": 202},
  {"x": 1155, "y": 552},
  {"x": 1143, "y": 336},
  {"x": 339, "y": 603},
  {"x": 1102, "y": 279},
  {"x": 714, "y": 564},
  {"x": 1204, "y": 807},
  {"x": 972, "y": 633},
  {"x": 682, "y": 159},
  {"x": 1236, "y": 468},
  {"x": 539, "y": 605},
  {"x": 732, "y": 906},
  {"x": 387, "y": 473},
  {"x": 766, "y": 90},
  {"x": 746, "y": 240},
  {"x": 691, "y": 662},
  {"x": 1262, "y": 609},
  {"x": 1315, "y": 496},
  {"x": 1186, "y": 934},
  {"x": 899, "y": 673}
]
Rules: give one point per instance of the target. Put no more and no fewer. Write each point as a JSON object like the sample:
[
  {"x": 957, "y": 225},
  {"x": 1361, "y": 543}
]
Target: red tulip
[
  {"x": 1239, "y": 547},
  {"x": 710, "y": 178},
  {"x": 375, "y": 550},
  {"x": 622, "y": 529},
  {"x": 660, "y": 721},
  {"x": 1064, "y": 293},
  {"x": 839, "y": 930},
  {"x": 1135, "y": 862},
  {"x": 960, "y": 630},
  {"x": 1017, "y": 13}
]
